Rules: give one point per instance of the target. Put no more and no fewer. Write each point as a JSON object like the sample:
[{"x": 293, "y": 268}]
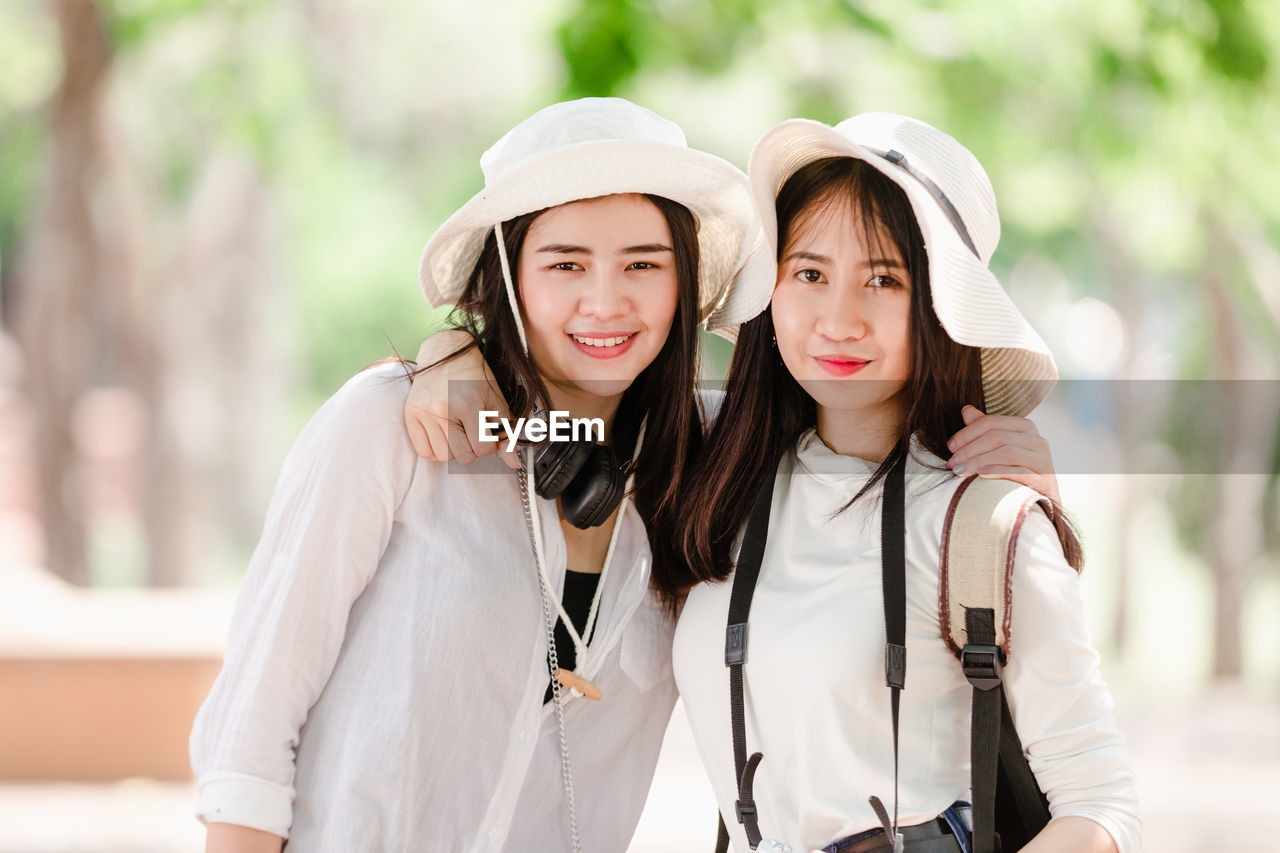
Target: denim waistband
[{"x": 949, "y": 822}]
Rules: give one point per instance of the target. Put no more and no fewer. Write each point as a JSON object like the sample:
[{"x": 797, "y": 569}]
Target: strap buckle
[
  {"x": 981, "y": 665},
  {"x": 895, "y": 665},
  {"x": 744, "y": 810},
  {"x": 735, "y": 644}
]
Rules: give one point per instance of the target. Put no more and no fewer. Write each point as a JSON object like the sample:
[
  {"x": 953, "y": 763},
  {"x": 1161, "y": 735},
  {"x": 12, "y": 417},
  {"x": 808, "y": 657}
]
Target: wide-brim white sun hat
[
  {"x": 936, "y": 172},
  {"x": 595, "y": 147}
]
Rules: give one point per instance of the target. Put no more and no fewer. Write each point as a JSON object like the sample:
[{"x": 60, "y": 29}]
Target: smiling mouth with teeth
[{"x": 602, "y": 342}]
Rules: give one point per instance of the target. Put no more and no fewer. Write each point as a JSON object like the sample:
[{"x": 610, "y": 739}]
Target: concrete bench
[{"x": 98, "y": 685}]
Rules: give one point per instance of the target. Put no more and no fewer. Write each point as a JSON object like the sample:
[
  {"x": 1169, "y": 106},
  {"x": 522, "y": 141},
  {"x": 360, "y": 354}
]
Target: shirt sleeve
[
  {"x": 326, "y": 529},
  {"x": 1061, "y": 707}
]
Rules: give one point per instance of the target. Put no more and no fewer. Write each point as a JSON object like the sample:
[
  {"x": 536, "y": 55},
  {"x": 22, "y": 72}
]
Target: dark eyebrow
[
  {"x": 646, "y": 249},
  {"x": 569, "y": 249},
  {"x": 807, "y": 256},
  {"x": 870, "y": 263},
  {"x": 564, "y": 249}
]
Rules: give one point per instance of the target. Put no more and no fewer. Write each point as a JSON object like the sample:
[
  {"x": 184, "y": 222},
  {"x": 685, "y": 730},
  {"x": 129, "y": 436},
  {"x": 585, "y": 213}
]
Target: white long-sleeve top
[
  {"x": 384, "y": 677},
  {"x": 815, "y": 697}
]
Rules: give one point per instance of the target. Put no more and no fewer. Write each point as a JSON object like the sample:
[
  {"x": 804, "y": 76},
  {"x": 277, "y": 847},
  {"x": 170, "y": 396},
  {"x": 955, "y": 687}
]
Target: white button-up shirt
[
  {"x": 815, "y": 697},
  {"x": 384, "y": 677}
]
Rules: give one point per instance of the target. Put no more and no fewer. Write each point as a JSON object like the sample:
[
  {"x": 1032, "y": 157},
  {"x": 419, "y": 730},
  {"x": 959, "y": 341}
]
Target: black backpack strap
[
  {"x": 722, "y": 835},
  {"x": 893, "y": 582},
  {"x": 1022, "y": 808},
  {"x": 979, "y": 542},
  {"x": 981, "y": 662},
  {"x": 746, "y": 573}
]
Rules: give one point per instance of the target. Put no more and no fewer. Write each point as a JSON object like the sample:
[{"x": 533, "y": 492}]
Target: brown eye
[
  {"x": 884, "y": 281},
  {"x": 810, "y": 276}
]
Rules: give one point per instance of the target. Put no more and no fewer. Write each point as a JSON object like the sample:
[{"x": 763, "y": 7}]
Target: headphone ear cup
[
  {"x": 556, "y": 464},
  {"x": 596, "y": 492}
]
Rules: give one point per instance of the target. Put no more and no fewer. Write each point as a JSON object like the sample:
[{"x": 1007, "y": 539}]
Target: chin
[
  {"x": 848, "y": 395},
  {"x": 604, "y": 388},
  {"x": 610, "y": 377}
]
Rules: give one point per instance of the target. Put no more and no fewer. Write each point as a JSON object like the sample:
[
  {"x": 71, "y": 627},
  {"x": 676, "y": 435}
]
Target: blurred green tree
[
  {"x": 1132, "y": 142},
  {"x": 244, "y": 148}
]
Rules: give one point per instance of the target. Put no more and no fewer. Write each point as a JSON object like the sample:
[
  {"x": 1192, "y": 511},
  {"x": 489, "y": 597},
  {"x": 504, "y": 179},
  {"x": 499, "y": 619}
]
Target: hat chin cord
[
  {"x": 508, "y": 283},
  {"x": 579, "y": 641}
]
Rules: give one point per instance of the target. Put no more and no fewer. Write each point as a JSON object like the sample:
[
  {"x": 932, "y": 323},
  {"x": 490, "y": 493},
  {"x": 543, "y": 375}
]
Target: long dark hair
[
  {"x": 664, "y": 392},
  {"x": 765, "y": 410}
]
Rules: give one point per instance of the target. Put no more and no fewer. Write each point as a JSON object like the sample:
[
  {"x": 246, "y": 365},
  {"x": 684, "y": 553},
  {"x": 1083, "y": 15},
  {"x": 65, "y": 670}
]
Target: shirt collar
[{"x": 825, "y": 465}]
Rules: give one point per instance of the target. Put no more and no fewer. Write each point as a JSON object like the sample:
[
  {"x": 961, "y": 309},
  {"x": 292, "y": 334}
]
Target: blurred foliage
[
  {"x": 1120, "y": 136},
  {"x": 1112, "y": 128},
  {"x": 28, "y": 72},
  {"x": 1133, "y": 143}
]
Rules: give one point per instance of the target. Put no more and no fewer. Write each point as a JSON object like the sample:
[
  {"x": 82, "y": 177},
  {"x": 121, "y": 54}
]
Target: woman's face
[
  {"x": 599, "y": 292},
  {"x": 840, "y": 312}
]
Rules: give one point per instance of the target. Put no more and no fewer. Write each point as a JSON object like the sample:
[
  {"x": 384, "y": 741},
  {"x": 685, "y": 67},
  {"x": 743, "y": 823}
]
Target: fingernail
[
  {"x": 951, "y": 445},
  {"x": 959, "y": 469}
]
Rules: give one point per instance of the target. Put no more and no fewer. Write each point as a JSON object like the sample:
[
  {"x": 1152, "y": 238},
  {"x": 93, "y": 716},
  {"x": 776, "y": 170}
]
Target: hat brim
[
  {"x": 716, "y": 192},
  {"x": 970, "y": 303}
]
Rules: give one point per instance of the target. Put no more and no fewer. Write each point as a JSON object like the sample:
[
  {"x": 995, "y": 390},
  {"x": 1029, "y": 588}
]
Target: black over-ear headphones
[{"x": 585, "y": 476}]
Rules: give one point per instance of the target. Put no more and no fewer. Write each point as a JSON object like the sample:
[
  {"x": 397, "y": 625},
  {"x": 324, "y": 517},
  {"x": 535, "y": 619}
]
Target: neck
[
  {"x": 865, "y": 434},
  {"x": 580, "y": 405}
]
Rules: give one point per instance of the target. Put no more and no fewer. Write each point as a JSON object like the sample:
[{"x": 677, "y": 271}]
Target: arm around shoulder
[{"x": 454, "y": 384}]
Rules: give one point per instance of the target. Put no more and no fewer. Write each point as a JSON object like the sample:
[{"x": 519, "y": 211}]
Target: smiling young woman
[
  {"x": 598, "y": 289},
  {"x": 388, "y": 683},
  {"x": 840, "y": 316},
  {"x": 885, "y": 322}
]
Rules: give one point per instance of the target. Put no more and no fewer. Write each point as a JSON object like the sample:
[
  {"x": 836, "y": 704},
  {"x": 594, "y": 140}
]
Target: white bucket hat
[
  {"x": 595, "y": 147},
  {"x": 955, "y": 207}
]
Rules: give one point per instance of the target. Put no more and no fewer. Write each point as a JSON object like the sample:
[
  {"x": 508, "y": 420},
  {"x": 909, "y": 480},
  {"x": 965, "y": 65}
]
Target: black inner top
[{"x": 579, "y": 590}]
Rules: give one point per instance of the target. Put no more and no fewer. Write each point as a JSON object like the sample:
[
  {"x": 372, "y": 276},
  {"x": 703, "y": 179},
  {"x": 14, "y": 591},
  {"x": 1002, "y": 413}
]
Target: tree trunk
[
  {"x": 1130, "y": 424},
  {"x": 56, "y": 282},
  {"x": 224, "y": 377},
  {"x": 1236, "y": 533}
]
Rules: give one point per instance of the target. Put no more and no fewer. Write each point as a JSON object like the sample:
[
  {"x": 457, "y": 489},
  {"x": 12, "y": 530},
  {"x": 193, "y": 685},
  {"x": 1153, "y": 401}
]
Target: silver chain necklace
[{"x": 553, "y": 663}]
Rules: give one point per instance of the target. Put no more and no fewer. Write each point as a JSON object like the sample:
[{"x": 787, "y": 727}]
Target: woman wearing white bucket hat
[
  {"x": 829, "y": 452},
  {"x": 386, "y": 685}
]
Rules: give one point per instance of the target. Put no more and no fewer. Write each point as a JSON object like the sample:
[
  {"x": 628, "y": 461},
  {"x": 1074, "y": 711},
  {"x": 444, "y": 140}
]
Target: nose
[
  {"x": 841, "y": 316},
  {"x": 602, "y": 295}
]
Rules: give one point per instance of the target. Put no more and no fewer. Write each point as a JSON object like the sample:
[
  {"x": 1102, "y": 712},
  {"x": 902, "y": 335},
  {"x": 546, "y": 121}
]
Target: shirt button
[{"x": 524, "y": 735}]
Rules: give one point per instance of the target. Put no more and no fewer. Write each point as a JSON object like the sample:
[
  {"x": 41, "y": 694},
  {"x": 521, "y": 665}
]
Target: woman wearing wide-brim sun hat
[
  {"x": 594, "y": 147},
  {"x": 388, "y": 684},
  {"x": 945, "y": 185},
  {"x": 830, "y": 468}
]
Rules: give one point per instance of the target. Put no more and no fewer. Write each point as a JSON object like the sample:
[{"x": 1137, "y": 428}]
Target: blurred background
[{"x": 211, "y": 213}]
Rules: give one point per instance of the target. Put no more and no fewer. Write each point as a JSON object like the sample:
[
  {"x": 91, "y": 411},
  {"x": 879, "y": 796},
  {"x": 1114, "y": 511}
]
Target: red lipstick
[{"x": 838, "y": 365}]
